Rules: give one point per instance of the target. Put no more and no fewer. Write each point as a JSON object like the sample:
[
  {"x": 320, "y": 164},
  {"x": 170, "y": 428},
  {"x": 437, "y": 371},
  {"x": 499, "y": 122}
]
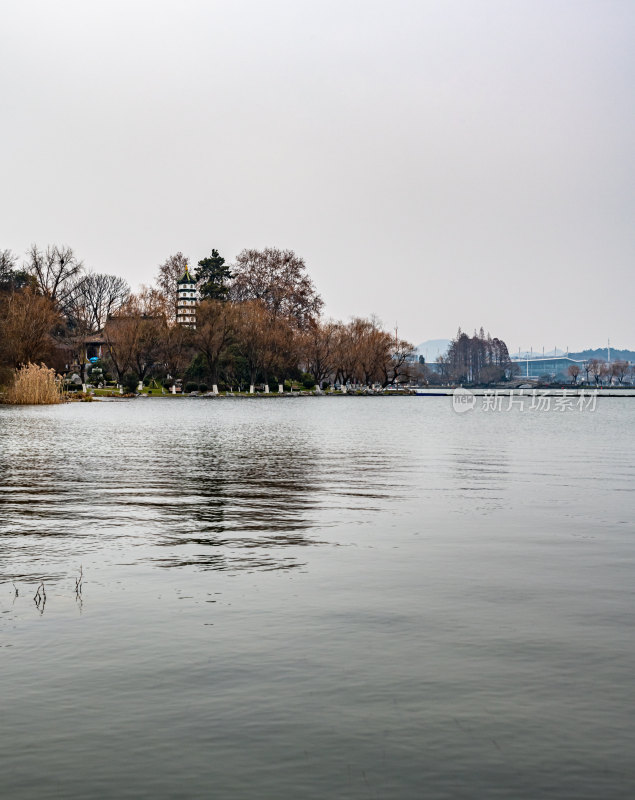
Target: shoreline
[{"x": 432, "y": 392}]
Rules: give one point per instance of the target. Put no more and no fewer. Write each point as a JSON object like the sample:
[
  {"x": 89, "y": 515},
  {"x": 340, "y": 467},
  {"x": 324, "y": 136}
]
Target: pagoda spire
[{"x": 187, "y": 299}]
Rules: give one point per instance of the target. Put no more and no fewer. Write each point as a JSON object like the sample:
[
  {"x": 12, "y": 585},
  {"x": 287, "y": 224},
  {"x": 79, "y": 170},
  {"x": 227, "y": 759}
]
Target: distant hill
[
  {"x": 600, "y": 353},
  {"x": 433, "y": 348}
]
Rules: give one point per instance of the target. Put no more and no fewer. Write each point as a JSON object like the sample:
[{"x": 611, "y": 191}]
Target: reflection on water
[
  {"x": 238, "y": 485},
  {"x": 480, "y": 476},
  {"x": 334, "y": 597},
  {"x": 234, "y": 491}
]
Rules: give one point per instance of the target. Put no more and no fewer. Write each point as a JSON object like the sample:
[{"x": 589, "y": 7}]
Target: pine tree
[{"x": 213, "y": 276}]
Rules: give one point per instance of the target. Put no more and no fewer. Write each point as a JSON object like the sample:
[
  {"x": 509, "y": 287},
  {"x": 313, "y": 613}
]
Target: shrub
[
  {"x": 34, "y": 386},
  {"x": 308, "y": 381},
  {"x": 191, "y": 387},
  {"x": 203, "y": 387},
  {"x": 130, "y": 382}
]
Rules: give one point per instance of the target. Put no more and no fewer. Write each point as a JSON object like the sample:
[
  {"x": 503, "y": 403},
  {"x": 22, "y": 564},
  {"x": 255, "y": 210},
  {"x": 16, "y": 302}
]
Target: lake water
[{"x": 317, "y": 598}]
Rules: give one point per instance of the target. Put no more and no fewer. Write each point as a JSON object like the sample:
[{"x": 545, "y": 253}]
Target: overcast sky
[{"x": 437, "y": 163}]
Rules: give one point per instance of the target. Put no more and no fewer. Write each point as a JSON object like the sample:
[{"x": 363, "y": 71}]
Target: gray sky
[{"x": 437, "y": 163}]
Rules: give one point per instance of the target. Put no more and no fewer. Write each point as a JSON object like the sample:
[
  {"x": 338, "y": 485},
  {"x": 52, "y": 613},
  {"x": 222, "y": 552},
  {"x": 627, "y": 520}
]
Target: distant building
[
  {"x": 187, "y": 300},
  {"x": 555, "y": 367}
]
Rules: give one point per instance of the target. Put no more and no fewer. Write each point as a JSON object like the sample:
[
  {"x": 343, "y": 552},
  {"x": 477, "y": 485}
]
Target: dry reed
[{"x": 34, "y": 385}]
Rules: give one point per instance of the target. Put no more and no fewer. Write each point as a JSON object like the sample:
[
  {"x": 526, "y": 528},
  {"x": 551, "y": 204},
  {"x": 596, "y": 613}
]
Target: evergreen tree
[{"x": 213, "y": 276}]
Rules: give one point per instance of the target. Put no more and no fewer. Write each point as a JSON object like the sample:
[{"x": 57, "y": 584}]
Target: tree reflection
[
  {"x": 246, "y": 509},
  {"x": 225, "y": 485}
]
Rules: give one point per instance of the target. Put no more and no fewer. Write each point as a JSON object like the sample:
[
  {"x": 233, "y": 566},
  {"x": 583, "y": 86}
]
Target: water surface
[{"x": 316, "y": 597}]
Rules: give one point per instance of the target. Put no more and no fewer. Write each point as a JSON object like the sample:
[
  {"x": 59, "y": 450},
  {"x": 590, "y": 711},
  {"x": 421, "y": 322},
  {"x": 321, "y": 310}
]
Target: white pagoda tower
[{"x": 187, "y": 299}]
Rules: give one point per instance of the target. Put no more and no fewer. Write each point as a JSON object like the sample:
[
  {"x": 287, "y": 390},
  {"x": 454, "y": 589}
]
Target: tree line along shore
[
  {"x": 259, "y": 322},
  {"x": 256, "y": 325}
]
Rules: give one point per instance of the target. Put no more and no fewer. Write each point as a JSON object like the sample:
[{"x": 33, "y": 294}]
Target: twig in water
[
  {"x": 78, "y": 581},
  {"x": 40, "y": 597}
]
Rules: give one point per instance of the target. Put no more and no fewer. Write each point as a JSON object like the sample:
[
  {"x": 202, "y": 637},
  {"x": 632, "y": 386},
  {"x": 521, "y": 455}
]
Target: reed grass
[{"x": 34, "y": 385}]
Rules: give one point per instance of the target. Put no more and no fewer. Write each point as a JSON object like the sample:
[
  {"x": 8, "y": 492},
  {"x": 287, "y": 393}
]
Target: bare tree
[
  {"x": 27, "y": 322},
  {"x": 78, "y": 326},
  {"x": 373, "y": 346},
  {"x": 469, "y": 356},
  {"x": 605, "y": 373},
  {"x": 286, "y": 350},
  {"x": 100, "y": 296},
  {"x": 278, "y": 300},
  {"x": 176, "y": 349},
  {"x": 398, "y": 362},
  {"x": 169, "y": 273},
  {"x": 278, "y": 279},
  {"x": 443, "y": 367},
  {"x": 148, "y": 308},
  {"x": 363, "y": 352},
  {"x": 346, "y": 352},
  {"x": 121, "y": 333},
  {"x": 319, "y": 344},
  {"x": 89, "y": 301},
  {"x": 489, "y": 374},
  {"x": 255, "y": 334},
  {"x": 574, "y": 371},
  {"x": 421, "y": 372},
  {"x": 619, "y": 370},
  {"x": 54, "y": 270},
  {"x": 215, "y": 327},
  {"x": 596, "y": 368}
]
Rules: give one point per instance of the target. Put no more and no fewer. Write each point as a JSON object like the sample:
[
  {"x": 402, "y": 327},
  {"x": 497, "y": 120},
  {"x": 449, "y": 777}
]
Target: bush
[
  {"x": 35, "y": 386},
  {"x": 190, "y": 387},
  {"x": 130, "y": 382},
  {"x": 308, "y": 381},
  {"x": 203, "y": 387}
]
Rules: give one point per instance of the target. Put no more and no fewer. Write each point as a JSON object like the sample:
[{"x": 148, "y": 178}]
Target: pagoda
[{"x": 186, "y": 300}]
